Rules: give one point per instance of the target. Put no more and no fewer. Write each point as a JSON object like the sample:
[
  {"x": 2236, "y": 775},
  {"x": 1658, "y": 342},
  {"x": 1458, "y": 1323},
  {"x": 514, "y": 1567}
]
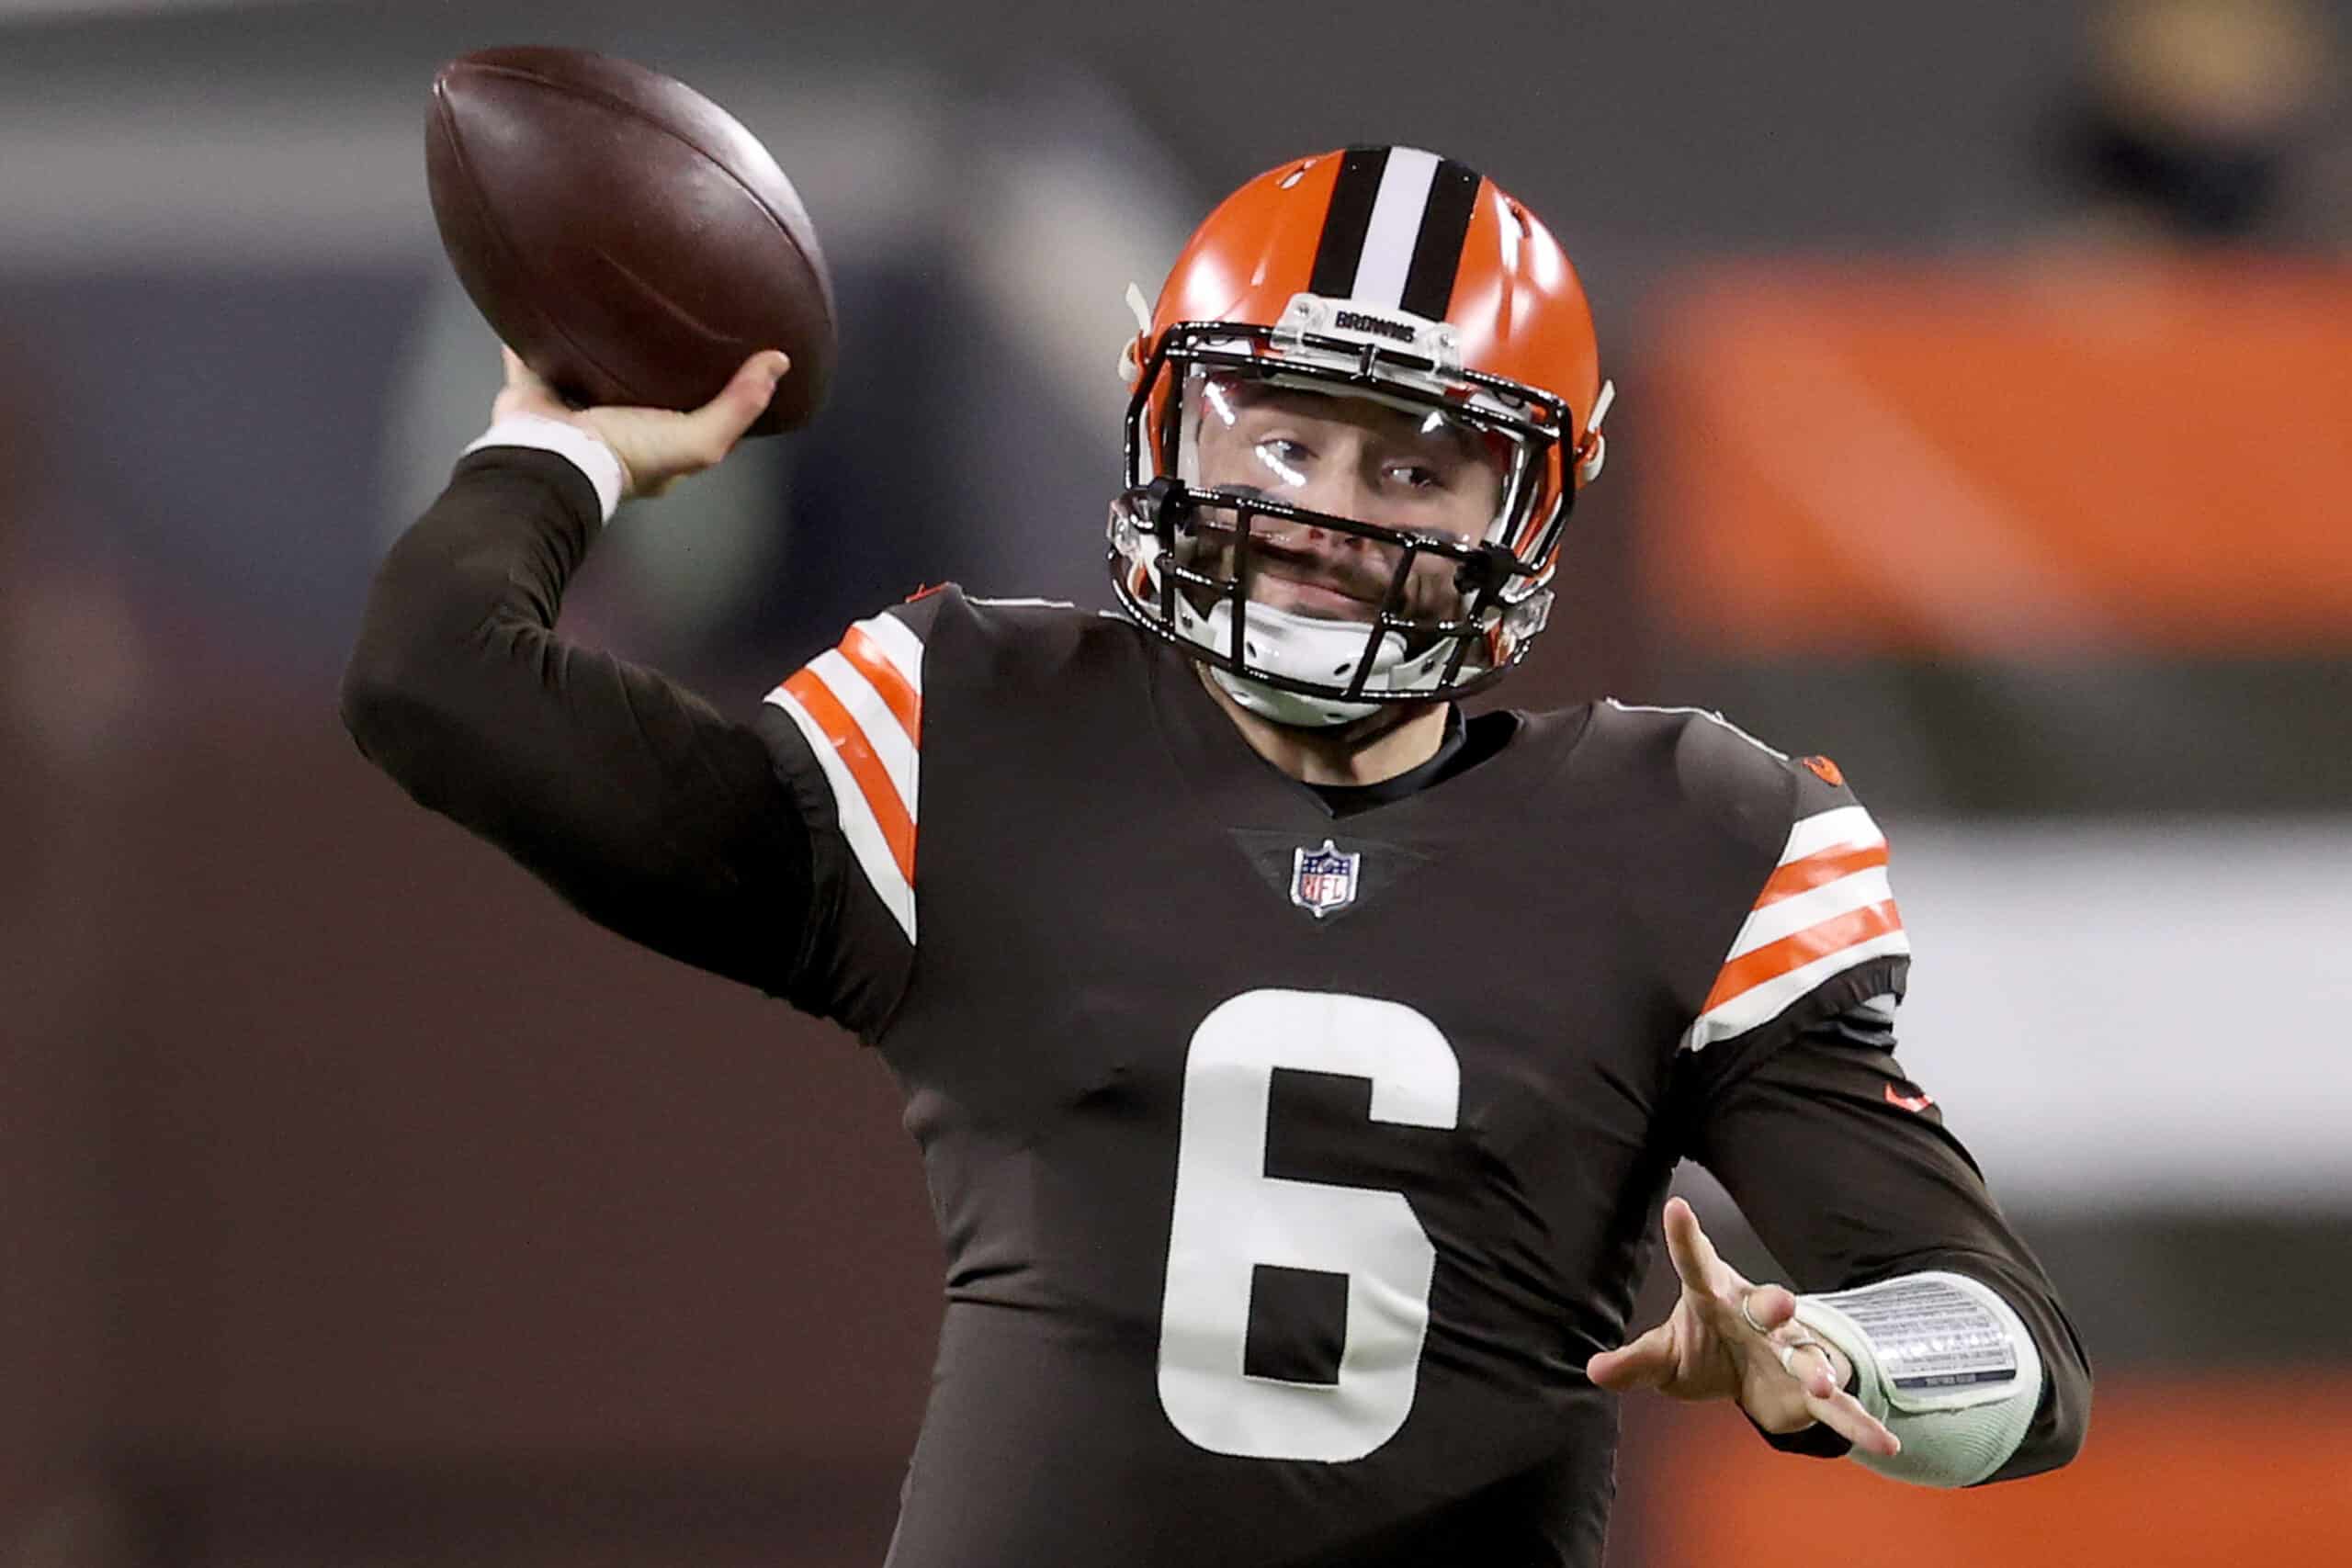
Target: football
[{"x": 622, "y": 233}]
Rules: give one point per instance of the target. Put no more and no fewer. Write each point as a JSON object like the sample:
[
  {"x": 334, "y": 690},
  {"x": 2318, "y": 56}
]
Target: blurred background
[{"x": 1985, "y": 379}]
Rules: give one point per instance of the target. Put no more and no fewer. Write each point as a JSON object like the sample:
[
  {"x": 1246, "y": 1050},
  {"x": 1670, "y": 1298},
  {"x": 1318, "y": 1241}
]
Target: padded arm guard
[{"x": 1945, "y": 1362}]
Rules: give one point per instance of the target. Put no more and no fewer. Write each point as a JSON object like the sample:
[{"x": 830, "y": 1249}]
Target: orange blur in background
[
  {"x": 2178, "y": 1472},
  {"x": 2034, "y": 458}
]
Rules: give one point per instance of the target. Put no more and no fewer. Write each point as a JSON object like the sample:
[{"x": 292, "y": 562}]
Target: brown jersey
[
  {"x": 1290, "y": 1161},
  {"x": 1290, "y": 1167}
]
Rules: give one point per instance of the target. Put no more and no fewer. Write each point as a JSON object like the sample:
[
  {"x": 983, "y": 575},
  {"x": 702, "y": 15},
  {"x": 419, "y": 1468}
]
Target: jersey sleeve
[
  {"x": 845, "y": 734},
  {"x": 1822, "y": 933},
  {"x": 1846, "y": 1170},
  {"x": 629, "y": 796}
]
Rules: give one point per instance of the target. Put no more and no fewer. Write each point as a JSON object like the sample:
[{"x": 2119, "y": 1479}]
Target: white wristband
[
  {"x": 1945, "y": 1362},
  {"x": 586, "y": 450}
]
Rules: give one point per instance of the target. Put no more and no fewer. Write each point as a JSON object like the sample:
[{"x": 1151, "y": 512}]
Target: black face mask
[{"x": 2200, "y": 187}]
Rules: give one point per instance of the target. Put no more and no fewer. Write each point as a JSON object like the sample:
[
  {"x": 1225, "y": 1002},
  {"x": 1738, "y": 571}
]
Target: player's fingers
[
  {"x": 1695, "y": 1264},
  {"x": 524, "y": 383},
  {"x": 523, "y": 392},
  {"x": 1813, "y": 1365},
  {"x": 724, "y": 419},
  {"x": 657, "y": 447},
  {"x": 1844, "y": 1415},
  {"x": 1646, "y": 1362},
  {"x": 1764, "y": 1308}
]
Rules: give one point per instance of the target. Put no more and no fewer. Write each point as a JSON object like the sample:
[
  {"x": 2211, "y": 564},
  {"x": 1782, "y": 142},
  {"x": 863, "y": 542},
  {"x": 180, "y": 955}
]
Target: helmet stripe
[
  {"x": 1393, "y": 233},
  {"x": 1346, "y": 221},
  {"x": 1395, "y": 222},
  {"x": 1436, "y": 250}
]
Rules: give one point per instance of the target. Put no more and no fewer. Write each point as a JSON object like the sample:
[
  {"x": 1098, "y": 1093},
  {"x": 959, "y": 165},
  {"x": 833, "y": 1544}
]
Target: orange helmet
[{"x": 1382, "y": 273}]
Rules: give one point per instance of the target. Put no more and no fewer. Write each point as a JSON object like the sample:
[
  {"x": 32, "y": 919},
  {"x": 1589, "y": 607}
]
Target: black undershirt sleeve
[
  {"x": 631, "y": 797},
  {"x": 1819, "y": 1143}
]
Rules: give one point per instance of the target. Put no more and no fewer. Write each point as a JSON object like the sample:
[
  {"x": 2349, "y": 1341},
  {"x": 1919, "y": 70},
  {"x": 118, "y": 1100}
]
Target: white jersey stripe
[
  {"x": 902, "y": 647},
  {"x": 1812, "y": 907},
  {"x": 1397, "y": 211},
  {"x": 1763, "y": 1003},
  {"x": 858, "y": 825},
  {"x": 1841, "y": 828},
  {"x": 884, "y": 735}
]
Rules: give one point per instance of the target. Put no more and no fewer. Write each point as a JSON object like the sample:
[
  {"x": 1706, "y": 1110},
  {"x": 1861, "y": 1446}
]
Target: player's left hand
[{"x": 1709, "y": 1348}]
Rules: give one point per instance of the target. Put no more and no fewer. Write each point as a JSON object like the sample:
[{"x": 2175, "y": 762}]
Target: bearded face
[{"x": 1347, "y": 456}]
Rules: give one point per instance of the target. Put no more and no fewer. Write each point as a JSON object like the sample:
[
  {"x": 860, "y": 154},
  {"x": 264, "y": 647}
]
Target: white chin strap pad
[
  {"x": 1307, "y": 648},
  {"x": 1292, "y": 708},
  {"x": 1945, "y": 1362}
]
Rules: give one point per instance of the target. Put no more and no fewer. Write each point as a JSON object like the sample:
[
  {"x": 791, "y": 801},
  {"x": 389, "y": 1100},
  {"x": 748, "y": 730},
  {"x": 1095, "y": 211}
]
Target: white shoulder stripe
[
  {"x": 1840, "y": 828},
  {"x": 1787, "y": 917},
  {"x": 858, "y": 824},
  {"x": 1765, "y": 1002},
  {"x": 885, "y": 737},
  {"x": 899, "y": 645}
]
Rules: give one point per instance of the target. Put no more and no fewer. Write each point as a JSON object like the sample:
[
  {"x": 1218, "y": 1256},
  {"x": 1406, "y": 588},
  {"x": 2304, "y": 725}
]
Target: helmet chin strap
[
  {"x": 1292, "y": 708},
  {"x": 1306, "y": 647}
]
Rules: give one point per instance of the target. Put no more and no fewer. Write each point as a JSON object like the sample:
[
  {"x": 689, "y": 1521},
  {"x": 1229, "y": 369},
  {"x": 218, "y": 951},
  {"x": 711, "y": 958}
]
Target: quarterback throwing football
[{"x": 1296, "y": 1062}]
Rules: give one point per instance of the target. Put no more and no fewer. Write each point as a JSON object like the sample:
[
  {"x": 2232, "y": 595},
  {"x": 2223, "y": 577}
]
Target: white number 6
[{"x": 1230, "y": 1217}]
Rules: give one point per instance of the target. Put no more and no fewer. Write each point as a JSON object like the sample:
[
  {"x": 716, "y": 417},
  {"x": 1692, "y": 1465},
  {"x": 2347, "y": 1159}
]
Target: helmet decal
[{"x": 1392, "y": 238}]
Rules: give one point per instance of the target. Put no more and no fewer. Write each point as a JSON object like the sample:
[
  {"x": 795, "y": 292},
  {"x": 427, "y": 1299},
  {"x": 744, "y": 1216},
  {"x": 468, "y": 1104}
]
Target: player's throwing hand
[
  {"x": 1727, "y": 1339},
  {"x": 656, "y": 448}
]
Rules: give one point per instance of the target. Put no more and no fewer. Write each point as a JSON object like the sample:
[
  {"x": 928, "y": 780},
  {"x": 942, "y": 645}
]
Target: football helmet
[{"x": 1397, "y": 284}]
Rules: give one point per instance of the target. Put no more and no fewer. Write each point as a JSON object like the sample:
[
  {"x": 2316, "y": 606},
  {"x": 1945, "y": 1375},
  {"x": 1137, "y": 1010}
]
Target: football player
[{"x": 1296, "y": 1062}]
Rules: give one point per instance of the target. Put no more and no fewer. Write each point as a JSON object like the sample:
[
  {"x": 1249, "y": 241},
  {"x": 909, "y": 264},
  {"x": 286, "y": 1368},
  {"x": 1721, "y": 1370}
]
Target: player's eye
[
  {"x": 1415, "y": 476},
  {"x": 1287, "y": 458}
]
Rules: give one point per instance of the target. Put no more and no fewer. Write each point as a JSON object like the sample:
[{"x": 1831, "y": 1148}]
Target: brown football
[{"x": 622, "y": 233}]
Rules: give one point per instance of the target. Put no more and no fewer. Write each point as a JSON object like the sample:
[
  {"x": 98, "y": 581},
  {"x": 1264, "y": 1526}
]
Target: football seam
[
  {"x": 677, "y": 312},
  {"x": 491, "y": 226},
  {"x": 629, "y": 110}
]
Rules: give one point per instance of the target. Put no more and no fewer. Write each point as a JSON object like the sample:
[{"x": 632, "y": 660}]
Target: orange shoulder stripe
[
  {"x": 902, "y": 699},
  {"x": 810, "y": 692},
  {"x": 1798, "y": 949},
  {"x": 1813, "y": 871}
]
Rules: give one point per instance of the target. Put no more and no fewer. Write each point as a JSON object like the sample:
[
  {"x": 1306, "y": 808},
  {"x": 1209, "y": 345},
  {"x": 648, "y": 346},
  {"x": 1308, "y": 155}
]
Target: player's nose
[{"x": 1336, "y": 494}]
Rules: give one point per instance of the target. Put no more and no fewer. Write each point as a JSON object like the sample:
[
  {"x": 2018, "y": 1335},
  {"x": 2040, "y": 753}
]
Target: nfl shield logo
[{"x": 1323, "y": 881}]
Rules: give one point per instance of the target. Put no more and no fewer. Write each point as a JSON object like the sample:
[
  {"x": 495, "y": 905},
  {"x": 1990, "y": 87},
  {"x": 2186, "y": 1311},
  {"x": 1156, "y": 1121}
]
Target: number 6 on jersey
[{"x": 1231, "y": 1217}]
